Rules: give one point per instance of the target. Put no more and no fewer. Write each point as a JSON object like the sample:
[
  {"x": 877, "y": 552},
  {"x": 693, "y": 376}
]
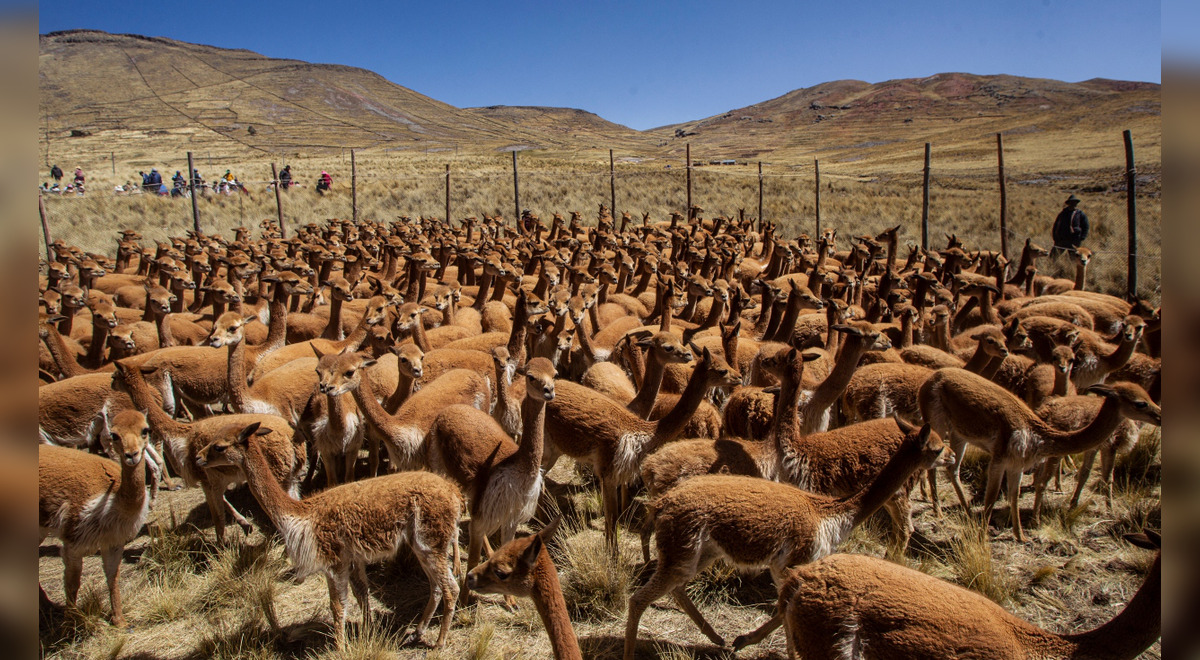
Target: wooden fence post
[
  {"x": 760, "y": 188},
  {"x": 612, "y": 184},
  {"x": 925, "y": 202},
  {"x": 817, "y": 179},
  {"x": 353, "y": 189},
  {"x": 1131, "y": 215},
  {"x": 113, "y": 155},
  {"x": 45, "y": 228},
  {"x": 278, "y": 202},
  {"x": 192, "y": 189},
  {"x": 516, "y": 192},
  {"x": 1003, "y": 197},
  {"x": 687, "y": 212},
  {"x": 447, "y": 192}
]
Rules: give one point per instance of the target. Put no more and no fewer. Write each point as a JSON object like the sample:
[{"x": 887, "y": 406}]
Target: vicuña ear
[
  {"x": 1149, "y": 540},
  {"x": 319, "y": 353},
  {"x": 547, "y": 532},
  {"x": 530, "y": 556},
  {"x": 252, "y": 429},
  {"x": 1102, "y": 390},
  {"x": 905, "y": 427}
]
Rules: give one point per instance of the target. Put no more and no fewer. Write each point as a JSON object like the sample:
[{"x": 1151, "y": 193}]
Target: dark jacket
[{"x": 1070, "y": 228}]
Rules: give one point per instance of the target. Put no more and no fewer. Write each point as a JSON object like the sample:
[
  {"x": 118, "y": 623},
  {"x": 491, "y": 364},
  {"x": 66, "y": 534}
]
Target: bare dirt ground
[{"x": 186, "y": 597}]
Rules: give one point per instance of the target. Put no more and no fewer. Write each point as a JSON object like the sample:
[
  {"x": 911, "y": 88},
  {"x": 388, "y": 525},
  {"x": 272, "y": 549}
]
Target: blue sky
[{"x": 647, "y": 64}]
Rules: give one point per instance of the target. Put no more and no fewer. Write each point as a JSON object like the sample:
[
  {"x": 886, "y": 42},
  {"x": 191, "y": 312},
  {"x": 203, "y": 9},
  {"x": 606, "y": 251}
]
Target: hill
[
  {"x": 121, "y": 86},
  {"x": 848, "y": 121},
  {"x": 147, "y": 96}
]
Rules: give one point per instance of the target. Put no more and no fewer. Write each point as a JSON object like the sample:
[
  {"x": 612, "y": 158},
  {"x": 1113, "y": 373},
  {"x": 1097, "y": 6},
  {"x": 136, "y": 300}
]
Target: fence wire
[{"x": 852, "y": 204}]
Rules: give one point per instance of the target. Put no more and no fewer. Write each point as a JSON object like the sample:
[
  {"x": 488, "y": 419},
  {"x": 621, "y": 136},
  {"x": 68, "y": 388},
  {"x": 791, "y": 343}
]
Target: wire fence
[{"x": 854, "y": 204}]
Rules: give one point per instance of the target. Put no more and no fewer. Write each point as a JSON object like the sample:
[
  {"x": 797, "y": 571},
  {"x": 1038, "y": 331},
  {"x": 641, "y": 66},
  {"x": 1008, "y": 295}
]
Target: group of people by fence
[
  {"x": 153, "y": 184},
  {"x": 55, "y": 185},
  {"x": 1069, "y": 230}
]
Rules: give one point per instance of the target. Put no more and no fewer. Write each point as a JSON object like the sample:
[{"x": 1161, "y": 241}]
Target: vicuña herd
[{"x": 734, "y": 394}]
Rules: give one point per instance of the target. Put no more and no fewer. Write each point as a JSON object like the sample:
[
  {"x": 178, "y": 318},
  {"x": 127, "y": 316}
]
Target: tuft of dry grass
[
  {"x": 175, "y": 550},
  {"x": 237, "y": 638},
  {"x": 667, "y": 651},
  {"x": 246, "y": 578},
  {"x": 481, "y": 642},
  {"x": 370, "y": 643},
  {"x": 595, "y": 585},
  {"x": 1137, "y": 472},
  {"x": 1061, "y": 523},
  {"x": 972, "y": 565}
]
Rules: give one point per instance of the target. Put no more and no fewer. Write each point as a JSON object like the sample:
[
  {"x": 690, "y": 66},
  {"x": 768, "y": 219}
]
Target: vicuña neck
[
  {"x": 274, "y": 500},
  {"x": 533, "y": 418},
  {"x": 142, "y": 396},
  {"x": 132, "y": 489},
  {"x": 375, "y": 414},
  {"x": 95, "y": 355},
  {"x": 1063, "y": 443},
  {"x": 1132, "y": 631},
  {"x": 236, "y": 374},
  {"x": 785, "y": 425},
  {"x": 671, "y": 425},
  {"x": 404, "y": 388},
  {"x": 333, "y": 329},
  {"x": 62, "y": 354},
  {"x": 552, "y": 608},
  {"x": 643, "y": 404},
  {"x": 830, "y": 389},
  {"x": 867, "y": 501}
]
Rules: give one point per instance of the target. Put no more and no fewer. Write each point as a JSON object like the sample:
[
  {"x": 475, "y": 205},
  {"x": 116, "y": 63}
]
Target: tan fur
[
  {"x": 404, "y": 433},
  {"x": 881, "y": 390},
  {"x": 523, "y": 568},
  {"x": 277, "y": 358},
  {"x": 1075, "y": 412},
  {"x": 183, "y": 442},
  {"x": 609, "y": 379},
  {"x": 76, "y": 411},
  {"x": 94, "y": 504},
  {"x": 502, "y": 480},
  {"x": 600, "y": 432},
  {"x": 753, "y": 522},
  {"x": 339, "y": 531},
  {"x": 847, "y": 606},
  {"x": 964, "y": 407}
]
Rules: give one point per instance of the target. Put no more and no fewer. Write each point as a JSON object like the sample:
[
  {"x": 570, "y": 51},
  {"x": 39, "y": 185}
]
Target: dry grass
[
  {"x": 595, "y": 585},
  {"x": 855, "y": 201},
  {"x": 972, "y": 565},
  {"x": 186, "y": 597}
]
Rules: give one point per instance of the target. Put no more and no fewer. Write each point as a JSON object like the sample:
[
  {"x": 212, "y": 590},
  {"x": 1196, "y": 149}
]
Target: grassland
[
  {"x": 187, "y": 597},
  {"x": 963, "y": 201}
]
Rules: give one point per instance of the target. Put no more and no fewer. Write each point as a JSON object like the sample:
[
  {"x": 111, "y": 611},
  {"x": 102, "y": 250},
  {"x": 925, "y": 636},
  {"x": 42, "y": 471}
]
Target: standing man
[
  {"x": 56, "y": 173},
  {"x": 285, "y": 177},
  {"x": 1070, "y": 227}
]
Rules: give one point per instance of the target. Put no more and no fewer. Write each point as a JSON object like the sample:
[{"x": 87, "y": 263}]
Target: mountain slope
[
  {"x": 153, "y": 96},
  {"x": 851, "y": 120},
  {"x": 98, "y": 82}
]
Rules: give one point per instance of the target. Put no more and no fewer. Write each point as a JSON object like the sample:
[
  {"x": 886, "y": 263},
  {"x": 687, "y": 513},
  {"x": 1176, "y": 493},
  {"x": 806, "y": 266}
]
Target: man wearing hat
[{"x": 1070, "y": 227}]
